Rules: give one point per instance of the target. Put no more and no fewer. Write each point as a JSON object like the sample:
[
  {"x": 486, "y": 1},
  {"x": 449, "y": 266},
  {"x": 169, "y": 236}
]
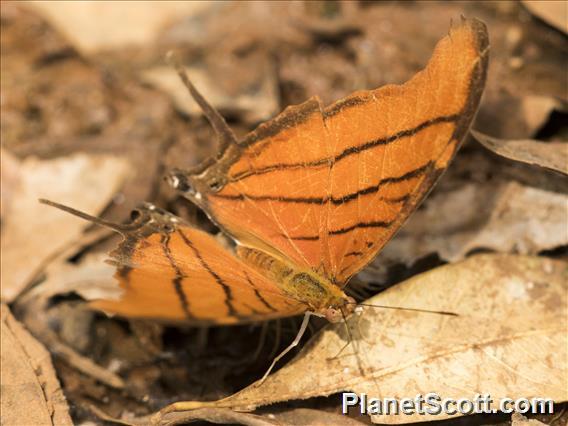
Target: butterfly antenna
[
  {"x": 220, "y": 126},
  {"x": 426, "y": 311},
  {"x": 277, "y": 337},
  {"x": 114, "y": 226},
  {"x": 261, "y": 341},
  {"x": 350, "y": 335}
]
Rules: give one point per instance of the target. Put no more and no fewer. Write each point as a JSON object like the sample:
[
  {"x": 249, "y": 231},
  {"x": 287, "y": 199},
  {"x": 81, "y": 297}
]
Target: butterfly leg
[
  {"x": 156, "y": 419},
  {"x": 292, "y": 345},
  {"x": 339, "y": 352},
  {"x": 261, "y": 342}
]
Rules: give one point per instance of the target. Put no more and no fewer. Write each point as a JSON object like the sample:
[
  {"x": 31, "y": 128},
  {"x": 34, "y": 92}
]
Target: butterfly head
[{"x": 197, "y": 182}]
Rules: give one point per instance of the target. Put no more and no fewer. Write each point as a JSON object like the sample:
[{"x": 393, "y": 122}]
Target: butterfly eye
[
  {"x": 135, "y": 214},
  {"x": 215, "y": 185},
  {"x": 185, "y": 187},
  {"x": 179, "y": 182}
]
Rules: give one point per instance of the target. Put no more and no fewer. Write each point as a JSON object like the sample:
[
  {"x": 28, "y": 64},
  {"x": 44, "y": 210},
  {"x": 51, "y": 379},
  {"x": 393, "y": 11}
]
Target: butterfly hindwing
[
  {"x": 327, "y": 188},
  {"x": 171, "y": 271}
]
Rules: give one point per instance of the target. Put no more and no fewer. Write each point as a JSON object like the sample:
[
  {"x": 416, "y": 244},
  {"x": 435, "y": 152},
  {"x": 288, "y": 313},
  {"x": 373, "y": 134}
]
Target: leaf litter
[
  {"x": 550, "y": 155},
  {"x": 60, "y": 98}
]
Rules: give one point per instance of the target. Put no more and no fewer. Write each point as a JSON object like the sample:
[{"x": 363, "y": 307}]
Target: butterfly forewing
[
  {"x": 256, "y": 204},
  {"x": 327, "y": 188},
  {"x": 391, "y": 144}
]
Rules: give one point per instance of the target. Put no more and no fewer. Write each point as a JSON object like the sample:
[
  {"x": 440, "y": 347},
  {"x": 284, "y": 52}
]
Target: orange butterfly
[{"x": 309, "y": 197}]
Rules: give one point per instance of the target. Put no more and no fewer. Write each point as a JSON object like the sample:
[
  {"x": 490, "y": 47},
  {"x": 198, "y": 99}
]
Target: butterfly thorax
[{"x": 322, "y": 296}]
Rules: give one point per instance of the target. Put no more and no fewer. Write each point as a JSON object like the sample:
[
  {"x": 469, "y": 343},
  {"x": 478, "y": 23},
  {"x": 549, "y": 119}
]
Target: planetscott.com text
[{"x": 433, "y": 404}]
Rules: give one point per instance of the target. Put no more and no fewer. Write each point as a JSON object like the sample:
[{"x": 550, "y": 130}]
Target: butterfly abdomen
[
  {"x": 269, "y": 266},
  {"x": 301, "y": 284}
]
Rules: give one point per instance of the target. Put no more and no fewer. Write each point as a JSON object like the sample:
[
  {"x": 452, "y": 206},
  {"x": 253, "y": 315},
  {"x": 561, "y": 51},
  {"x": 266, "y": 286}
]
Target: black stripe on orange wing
[
  {"x": 354, "y": 253},
  {"x": 291, "y": 117},
  {"x": 171, "y": 276},
  {"x": 345, "y": 153},
  {"x": 342, "y": 104},
  {"x": 373, "y": 189},
  {"x": 226, "y": 288},
  {"x": 179, "y": 277},
  {"x": 258, "y": 295},
  {"x": 346, "y": 230}
]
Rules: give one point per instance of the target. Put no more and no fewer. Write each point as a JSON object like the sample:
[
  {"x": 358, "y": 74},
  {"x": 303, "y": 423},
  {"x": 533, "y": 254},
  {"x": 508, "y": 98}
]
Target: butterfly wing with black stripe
[
  {"x": 327, "y": 188},
  {"x": 173, "y": 272}
]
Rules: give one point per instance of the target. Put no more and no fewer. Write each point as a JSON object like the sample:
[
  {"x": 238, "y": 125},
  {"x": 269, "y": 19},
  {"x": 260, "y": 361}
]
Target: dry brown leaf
[
  {"x": 311, "y": 417},
  {"x": 554, "y": 13},
  {"x": 508, "y": 217},
  {"x": 85, "y": 182},
  {"x": 40, "y": 327},
  {"x": 210, "y": 415},
  {"x": 509, "y": 340},
  {"x": 550, "y": 155},
  {"x": 297, "y": 416},
  {"x": 93, "y": 26},
  {"x": 221, "y": 416},
  {"x": 31, "y": 394}
]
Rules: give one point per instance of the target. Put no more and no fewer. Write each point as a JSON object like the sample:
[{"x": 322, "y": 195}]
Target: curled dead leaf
[
  {"x": 509, "y": 340},
  {"x": 550, "y": 155}
]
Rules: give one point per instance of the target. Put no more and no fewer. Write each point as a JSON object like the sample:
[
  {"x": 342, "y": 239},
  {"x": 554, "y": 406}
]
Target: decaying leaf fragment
[
  {"x": 86, "y": 182},
  {"x": 509, "y": 340},
  {"x": 31, "y": 394},
  {"x": 550, "y": 155}
]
